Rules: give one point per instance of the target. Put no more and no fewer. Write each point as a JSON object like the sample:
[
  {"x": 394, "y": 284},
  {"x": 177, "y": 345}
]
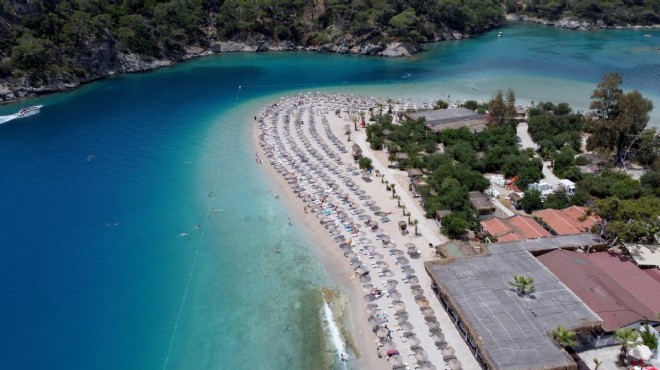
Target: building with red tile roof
[
  {"x": 568, "y": 221},
  {"x": 514, "y": 228},
  {"x": 616, "y": 289}
]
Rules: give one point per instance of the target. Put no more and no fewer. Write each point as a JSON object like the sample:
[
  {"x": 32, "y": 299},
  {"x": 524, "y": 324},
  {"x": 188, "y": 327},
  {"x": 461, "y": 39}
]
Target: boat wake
[{"x": 25, "y": 112}]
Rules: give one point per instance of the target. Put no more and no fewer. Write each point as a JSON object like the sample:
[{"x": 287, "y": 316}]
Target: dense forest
[
  {"x": 600, "y": 12},
  {"x": 46, "y": 42}
]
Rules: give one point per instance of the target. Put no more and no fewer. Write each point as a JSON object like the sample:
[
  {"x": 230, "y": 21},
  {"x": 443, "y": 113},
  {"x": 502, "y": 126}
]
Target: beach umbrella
[
  {"x": 447, "y": 351},
  {"x": 427, "y": 366},
  {"x": 387, "y": 273},
  {"x": 402, "y": 316},
  {"x": 407, "y": 269},
  {"x": 382, "y": 332},
  {"x": 351, "y": 254},
  {"x": 394, "y": 294},
  {"x": 438, "y": 337},
  {"x": 417, "y": 291},
  {"x": 402, "y": 260},
  {"x": 355, "y": 261},
  {"x": 454, "y": 364},
  {"x": 376, "y": 255},
  {"x": 422, "y": 356},
  {"x": 406, "y": 325},
  {"x": 385, "y": 238},
  {"x": 364, "y": 278},
  {"x": 369, "y": 202},
  {"x": 396, "y": 360},
  {"x": 382, "y": 264},
  {"x": 413, "y": 280},
  {"x": 414, "y": 340},
  {"x": 334, "y": 232},
  {"x": 369, "y": 297},
  {"x": 396, "y": 252},
  {"x": 388, "y": 345},
  {"x": 392, "y": 282},
  {"x": 409, "y": 245},
  {"x": 434, "y": 329},
  {"x": 399, "y": 305}
]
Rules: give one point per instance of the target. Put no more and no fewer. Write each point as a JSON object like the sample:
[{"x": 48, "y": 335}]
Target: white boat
[
  {"x": 500, "y": 34},
  {"x": 25, "y": 112}
]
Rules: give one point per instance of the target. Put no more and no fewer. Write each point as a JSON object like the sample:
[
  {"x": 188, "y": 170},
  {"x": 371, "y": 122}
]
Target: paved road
[{"x": 527, "y": 142}]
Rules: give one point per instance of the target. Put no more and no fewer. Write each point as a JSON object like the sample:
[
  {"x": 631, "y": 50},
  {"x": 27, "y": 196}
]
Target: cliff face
[{"x": 48, "y": 46}]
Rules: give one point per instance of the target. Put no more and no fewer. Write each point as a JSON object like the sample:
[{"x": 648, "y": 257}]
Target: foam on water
[{"x": 332, "y": 330}]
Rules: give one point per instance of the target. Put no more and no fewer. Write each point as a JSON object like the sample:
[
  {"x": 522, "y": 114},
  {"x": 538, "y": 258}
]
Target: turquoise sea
[{"x": 99, "y": 189}]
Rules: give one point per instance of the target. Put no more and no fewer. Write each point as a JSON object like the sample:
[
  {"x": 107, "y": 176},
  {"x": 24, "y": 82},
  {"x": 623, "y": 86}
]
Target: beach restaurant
[{"x": 504, "y": 330}]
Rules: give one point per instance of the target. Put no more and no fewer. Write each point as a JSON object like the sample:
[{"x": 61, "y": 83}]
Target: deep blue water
[{"x": 144, "y": 151}]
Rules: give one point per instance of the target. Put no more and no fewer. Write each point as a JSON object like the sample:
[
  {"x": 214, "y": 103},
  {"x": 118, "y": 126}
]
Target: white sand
[{"x": 338, "y": 266}]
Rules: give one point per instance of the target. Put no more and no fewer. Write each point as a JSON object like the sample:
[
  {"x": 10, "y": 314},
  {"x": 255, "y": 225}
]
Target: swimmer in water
[
  {"x": 277, "y": 249},
  {"x": 185, "y": 233},
  {"x": 196, "y": 227}
]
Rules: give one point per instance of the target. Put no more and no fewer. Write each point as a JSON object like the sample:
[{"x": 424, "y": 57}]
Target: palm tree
[
  {"x": 564, "y": 337},
  {"x": 598, "y": 362},
  {"x": 404, "y": 209},
  {"x": 626, "y": 337},
  {"x": 393, "y": 191},
  {"x": 415, "y": 222},
  {"x": 522, "y": 284}
]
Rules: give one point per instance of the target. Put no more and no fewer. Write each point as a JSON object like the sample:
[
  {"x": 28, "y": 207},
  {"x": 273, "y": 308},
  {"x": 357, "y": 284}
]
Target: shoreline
[
  {"x": 329, "y": 258},
  {"x": 432, "y": 329}
]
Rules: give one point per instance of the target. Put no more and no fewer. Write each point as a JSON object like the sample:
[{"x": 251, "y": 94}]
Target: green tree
[
  {"x": 564, "y": 337},
  {"x": 531, "y": 201},
  {"x": 454, "y": 226},
  {"x": 617, "y": 118},
  {"x": 557, "y": 200},
  {"x": 441, "y": 104},
  {"x": 523, "y": 285},
  {"x": 497, "y": 108},
  {"x": 510, "y": 106},
  {"x": 648, "y": 337},
  {"x": 648, "y": 147},
  {"x": 627, "y": 337},
  {"x": 365, "y": 163}
]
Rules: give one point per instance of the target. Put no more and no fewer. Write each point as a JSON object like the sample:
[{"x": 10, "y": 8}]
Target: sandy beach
[{"x": 300, "y": 142}]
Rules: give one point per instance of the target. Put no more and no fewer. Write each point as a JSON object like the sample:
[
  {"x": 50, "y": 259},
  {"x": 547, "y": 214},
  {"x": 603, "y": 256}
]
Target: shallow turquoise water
[{"x": 144, "y": 151}]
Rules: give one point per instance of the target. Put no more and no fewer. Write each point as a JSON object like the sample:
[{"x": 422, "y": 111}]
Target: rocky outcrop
[
  {"x": 105, "y": 61},
  {"x": 572, "y": 24}
]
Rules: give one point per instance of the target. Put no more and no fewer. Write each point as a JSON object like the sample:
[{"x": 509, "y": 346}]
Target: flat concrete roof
[
  {"x": 511, "y": 332},
  {"x": 644, "y": 254},
  {"x": 441, "y": 116}
]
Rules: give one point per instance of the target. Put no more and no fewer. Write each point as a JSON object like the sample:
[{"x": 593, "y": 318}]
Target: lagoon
[{"x": 98, "y": 190}]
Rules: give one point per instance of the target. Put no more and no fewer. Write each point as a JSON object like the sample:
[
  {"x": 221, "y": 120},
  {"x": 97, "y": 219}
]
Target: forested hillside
[
  {"x": 54, "y": 44},
  {"x": 602, "y": 13}
]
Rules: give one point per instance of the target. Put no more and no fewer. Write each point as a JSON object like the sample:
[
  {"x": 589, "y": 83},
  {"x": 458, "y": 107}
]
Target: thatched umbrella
[
  {"x": 396, "y": 360},
  {"x": 448, "y": 351},
  {"x": 382, "y": 332},
  {"x": 394, "y": 294},
  {"x": 405, "y": 325},
  {"x": 427, "y": 366},
  {"x": 391, "y": 284},
  {"x": 398, "y": 305},
  {"x": 417, "y": 291},
  {"x": 364, "y": 278},
  {"x": 396, "y": 252},
  {"x": 402, "y": 260},
  {"x": 367, "y": 287},
  {"x": 414, "y": 340},
  {"x": 454, "y": 364},
  {"x": 388, "y": 344},
  {"x": 435, "y": 329},
  {"x": 427, "y": 311},
  {"x": 432, "y": 323},
  {"x": 437, "y": 337},
  {"x": 401, "y": 317},
  {"x": 422, "y": 356},
  {"x": 382, "y": 264}
]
